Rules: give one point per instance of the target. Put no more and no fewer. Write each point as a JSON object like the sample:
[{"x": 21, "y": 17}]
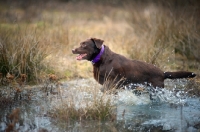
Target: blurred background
[{"x": 36, "y": 37}]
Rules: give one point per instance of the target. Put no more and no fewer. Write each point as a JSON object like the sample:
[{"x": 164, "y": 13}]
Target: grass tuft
[{"x": 84, "y": 103}]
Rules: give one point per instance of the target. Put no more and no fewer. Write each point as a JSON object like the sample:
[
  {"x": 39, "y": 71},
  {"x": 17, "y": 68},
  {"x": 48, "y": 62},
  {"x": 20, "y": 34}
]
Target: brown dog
[{"x": 111, "y": 66}]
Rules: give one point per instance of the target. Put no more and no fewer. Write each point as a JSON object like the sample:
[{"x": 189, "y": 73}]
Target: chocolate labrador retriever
[{"x": 111, "y": 66}]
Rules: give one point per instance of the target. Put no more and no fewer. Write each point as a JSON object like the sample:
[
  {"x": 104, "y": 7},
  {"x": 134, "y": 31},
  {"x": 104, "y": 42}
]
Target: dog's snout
[{"x": 73, "y": 50}]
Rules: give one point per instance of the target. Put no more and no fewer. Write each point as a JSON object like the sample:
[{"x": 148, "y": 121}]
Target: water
[
  {"x": 170, "y": 110},
  {"x": 33, "y": 113},
  {"x": 163, "y": 116}
]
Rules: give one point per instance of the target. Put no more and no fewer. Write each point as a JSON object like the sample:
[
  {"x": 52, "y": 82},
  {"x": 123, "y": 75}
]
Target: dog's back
[{"x": 114, "y": 67}]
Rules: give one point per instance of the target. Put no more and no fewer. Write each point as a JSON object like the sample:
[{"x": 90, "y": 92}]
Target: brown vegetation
[
  {"x": 14, "y": 118},
  {"x": 96, "y": 106},
  {"x": 36, "y": 38},
  {"x": 165, "y": 33}
]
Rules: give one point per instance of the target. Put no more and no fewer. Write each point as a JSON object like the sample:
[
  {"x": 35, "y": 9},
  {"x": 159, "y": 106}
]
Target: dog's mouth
[{"x": 81, "y": 56}]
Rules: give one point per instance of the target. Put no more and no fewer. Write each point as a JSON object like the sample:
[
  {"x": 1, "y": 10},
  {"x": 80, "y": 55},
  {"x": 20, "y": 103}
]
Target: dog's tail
[{"x": 178, "y": 74}]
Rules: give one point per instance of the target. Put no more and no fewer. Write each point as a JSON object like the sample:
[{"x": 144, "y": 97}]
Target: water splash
[
  {"x": 129, "y": 98},
  {"x": 169, "y": 96},
  {"x": 174, "y": 93}
]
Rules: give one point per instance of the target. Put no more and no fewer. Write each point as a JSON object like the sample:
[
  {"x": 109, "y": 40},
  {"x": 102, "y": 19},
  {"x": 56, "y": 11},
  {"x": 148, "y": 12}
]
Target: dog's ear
[{"x": 98, "y": 42}]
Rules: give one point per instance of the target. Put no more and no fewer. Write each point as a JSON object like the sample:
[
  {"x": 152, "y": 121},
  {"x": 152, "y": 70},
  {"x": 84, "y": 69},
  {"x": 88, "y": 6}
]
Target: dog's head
[{"x": 88, "y": 49}]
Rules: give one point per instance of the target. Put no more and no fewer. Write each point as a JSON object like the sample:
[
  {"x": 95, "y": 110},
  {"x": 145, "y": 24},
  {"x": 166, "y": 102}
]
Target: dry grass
[
  {"x": 155, "y": 32},
  {"x": 193, "y": 87},
  {"x": 36, "y": 39},
  {"x": 81, "y": 103},
  {"x": 165, "y": 32},
  {"x": 97, "y": 110},
  {"x": 24, "y": 48}
]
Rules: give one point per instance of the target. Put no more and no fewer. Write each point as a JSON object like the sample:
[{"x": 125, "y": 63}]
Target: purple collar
[{"x": 97, "y": 58}]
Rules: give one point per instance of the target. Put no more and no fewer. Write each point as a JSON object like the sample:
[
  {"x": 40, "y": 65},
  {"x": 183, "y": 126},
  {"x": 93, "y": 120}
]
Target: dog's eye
[{"x": 83, "y": 45}]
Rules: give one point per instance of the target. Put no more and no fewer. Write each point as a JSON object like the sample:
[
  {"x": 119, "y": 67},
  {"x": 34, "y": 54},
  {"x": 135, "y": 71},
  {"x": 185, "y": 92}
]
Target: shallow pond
[{"x": 170, "y": 110}]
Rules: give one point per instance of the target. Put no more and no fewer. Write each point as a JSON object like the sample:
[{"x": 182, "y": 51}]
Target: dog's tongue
[{"x": 80, "y": 56}]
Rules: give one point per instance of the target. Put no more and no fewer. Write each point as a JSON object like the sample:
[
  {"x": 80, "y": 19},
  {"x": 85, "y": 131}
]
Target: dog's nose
[{"x": 73, "y": 50}]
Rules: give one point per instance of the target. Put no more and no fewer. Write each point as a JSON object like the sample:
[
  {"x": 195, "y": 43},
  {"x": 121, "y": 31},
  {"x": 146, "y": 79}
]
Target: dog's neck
[{"x": 97, "y": 58}]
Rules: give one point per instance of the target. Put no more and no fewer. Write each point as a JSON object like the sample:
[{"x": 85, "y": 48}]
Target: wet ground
[{"x": 170, "y": 110}]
